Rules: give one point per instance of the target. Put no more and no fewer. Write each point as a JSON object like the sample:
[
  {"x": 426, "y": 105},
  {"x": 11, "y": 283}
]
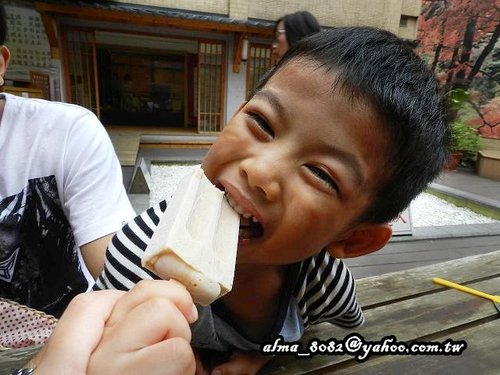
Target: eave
[{"x": 138, "y": 15}]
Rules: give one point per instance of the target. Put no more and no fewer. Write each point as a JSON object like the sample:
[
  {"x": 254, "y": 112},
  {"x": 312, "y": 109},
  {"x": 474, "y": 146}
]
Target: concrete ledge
[
  {"x": 450, "y": 231},
  {"x": 465, "y": 195},
  {"x": 479, "y": 204},
  {"x": 140, "y": 183},
  {"x": 178, "y": 139}
]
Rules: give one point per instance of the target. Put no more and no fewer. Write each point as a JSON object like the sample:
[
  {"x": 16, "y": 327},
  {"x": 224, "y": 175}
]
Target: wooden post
[{"x": 238, "y": 43}]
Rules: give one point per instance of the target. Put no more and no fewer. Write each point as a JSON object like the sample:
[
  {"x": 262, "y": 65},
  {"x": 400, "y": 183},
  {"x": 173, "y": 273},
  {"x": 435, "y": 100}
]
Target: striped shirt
[{"x": 319, "y": 288}]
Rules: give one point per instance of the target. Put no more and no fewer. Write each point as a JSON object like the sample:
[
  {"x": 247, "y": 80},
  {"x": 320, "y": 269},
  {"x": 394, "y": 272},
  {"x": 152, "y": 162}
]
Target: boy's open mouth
[
  {"x": 249, "y": 225},
  {"x": 249, "y": 228}
]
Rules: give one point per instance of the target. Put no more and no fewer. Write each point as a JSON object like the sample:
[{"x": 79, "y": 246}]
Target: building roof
[
  {"x": 148, "y": 10},
  {"x": 142, "y": 15}
]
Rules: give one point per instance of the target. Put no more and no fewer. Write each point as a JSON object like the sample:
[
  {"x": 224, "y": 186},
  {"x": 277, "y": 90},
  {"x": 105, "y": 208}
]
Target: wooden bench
[{"x": 488, "y": 164}]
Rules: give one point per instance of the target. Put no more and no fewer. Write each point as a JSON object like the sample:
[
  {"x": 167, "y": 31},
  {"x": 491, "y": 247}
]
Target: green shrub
[{"x": 464, "y": 138}]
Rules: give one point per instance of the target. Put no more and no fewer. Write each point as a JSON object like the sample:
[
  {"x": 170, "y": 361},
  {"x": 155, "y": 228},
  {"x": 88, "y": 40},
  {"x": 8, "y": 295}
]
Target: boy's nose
[{"x": 263, "y": 176}]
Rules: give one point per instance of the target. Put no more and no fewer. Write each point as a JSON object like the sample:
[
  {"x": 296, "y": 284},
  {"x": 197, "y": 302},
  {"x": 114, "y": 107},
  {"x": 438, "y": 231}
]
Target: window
[
  {"x": 80, "y": 77},
  {"x": 259, "y": 61},
  {"x": 211, "y": 70}
]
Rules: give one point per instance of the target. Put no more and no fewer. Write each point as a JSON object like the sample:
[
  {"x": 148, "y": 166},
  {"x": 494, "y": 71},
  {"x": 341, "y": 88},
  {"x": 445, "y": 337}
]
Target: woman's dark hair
[{"x": 298, "y": 25}]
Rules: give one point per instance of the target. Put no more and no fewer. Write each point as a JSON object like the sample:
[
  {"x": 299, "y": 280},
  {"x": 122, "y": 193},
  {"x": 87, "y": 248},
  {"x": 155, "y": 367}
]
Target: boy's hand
[
  {"x": 239, "y": 363},
  {"x": 143, "y": 331}
]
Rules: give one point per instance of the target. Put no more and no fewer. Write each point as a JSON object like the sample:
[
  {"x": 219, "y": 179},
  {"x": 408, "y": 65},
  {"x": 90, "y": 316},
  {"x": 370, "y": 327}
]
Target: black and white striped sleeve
[
  {"x": 326, "y": 291},
  {"x": 122, "y": 265}
]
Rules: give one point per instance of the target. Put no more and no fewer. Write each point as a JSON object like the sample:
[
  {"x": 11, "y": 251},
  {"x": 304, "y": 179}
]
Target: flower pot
[{"x": 454, "y": 161}]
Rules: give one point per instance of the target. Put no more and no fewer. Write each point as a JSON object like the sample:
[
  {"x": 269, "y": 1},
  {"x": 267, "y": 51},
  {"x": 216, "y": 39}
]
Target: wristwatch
[{"x": 23, "y": 371}]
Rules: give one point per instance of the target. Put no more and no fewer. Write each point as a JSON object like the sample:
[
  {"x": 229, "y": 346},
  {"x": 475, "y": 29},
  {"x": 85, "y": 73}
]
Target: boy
[{"x": 337, "y": 140}]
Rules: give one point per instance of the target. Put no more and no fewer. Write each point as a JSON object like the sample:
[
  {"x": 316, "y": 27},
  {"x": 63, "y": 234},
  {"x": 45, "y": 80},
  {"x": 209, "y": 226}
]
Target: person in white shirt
[{"x": 61, "y": 198}]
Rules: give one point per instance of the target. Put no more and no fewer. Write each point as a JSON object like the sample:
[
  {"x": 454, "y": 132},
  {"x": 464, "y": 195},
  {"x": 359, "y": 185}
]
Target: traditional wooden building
[{"x": 171, "y": 64}]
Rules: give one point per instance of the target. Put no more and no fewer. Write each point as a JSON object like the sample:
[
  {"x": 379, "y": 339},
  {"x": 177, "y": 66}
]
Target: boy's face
[{"x": 303, "y": 162}]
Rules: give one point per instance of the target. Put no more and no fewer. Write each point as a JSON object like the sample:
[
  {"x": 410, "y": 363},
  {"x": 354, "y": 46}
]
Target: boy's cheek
[
  {"x": 234, "y": 138},
  {"x": 234, "y": 143},
  {"x": 223, "y": 151}
]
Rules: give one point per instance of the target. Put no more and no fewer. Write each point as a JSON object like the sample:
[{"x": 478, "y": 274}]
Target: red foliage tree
[{"x": 457, "y": 37}]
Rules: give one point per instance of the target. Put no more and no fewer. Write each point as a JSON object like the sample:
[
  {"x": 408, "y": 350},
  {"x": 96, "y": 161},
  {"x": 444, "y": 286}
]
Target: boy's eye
[
  {"x": 262, "y": 124},
  {"x": 324, "y": 177}
]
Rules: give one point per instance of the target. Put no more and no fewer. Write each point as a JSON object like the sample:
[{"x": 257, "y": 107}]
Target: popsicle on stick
[{"x": 196, "y": 240}]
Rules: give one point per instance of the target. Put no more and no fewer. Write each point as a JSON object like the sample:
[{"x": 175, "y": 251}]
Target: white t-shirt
[{"x": 61, "y": 187}]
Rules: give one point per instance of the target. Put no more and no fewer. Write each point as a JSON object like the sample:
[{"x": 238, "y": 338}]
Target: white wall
[{"x": 236, "y": 84}]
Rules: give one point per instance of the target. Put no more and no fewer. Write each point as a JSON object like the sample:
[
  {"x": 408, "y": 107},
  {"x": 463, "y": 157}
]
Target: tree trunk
[
  {"x": 449, "y": 78},
  {"x": 484, "y": 53},
  {"x": 436, "y": 56},
  {"x": 468, "y": 41}
]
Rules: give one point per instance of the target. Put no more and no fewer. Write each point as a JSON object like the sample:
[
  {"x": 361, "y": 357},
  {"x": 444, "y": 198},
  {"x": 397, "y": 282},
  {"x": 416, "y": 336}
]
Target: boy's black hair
[
  {"x": 3, "y": 25},
  {"x": 298, "y": 25},
  {"x": 376, "y": 66}
]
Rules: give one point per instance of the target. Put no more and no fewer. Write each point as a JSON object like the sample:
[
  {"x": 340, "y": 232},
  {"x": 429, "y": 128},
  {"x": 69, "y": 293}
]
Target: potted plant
[{"x": 464, "y": 144}]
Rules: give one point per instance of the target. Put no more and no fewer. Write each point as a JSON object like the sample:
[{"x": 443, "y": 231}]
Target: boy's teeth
[
  {"x": 240, "y": 210},
  {"x": 249, "y": 225}
]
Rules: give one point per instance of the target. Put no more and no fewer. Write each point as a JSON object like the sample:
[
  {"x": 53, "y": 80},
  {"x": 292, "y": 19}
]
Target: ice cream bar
[{"x": 196, "y": 240}]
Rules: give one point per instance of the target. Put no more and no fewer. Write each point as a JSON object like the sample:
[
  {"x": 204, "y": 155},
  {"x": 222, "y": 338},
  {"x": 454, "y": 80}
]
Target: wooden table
[{"x": 408, "y": 305}]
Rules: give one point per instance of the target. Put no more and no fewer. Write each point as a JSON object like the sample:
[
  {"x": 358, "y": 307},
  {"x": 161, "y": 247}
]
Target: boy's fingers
[
  {"x": 147, "y": 324},
  {"x": 147, "y": 289}
]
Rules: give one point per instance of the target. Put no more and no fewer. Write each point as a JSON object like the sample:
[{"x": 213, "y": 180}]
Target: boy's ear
[{"x": 362, "y": 240}]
